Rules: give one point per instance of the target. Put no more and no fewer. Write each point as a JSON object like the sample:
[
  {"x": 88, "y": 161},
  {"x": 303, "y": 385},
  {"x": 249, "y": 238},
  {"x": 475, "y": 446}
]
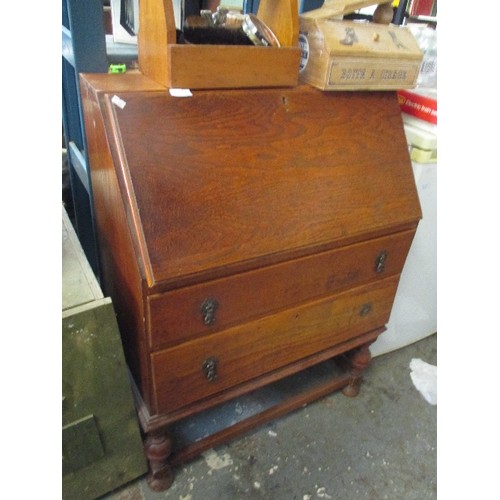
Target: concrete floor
[{"x": 380, "y": 445}]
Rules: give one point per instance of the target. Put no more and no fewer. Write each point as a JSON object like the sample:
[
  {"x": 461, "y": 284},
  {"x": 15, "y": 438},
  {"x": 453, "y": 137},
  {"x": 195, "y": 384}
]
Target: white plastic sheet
[
  {"x": 424, "y": 378},
  {"x": 414, "y": 314}
]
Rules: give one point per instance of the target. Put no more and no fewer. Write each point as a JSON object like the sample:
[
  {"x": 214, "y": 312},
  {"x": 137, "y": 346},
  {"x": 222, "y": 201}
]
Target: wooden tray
[{"x": 218, "y": 66}]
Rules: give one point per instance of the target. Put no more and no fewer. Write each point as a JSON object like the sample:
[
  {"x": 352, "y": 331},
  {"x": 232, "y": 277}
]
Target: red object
[
  {"x": 418, "y": 105},
  {"x": 421, "y": 7}
]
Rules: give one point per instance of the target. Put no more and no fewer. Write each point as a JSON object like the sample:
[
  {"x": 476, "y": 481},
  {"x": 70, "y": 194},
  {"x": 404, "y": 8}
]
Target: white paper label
[
  {"x": 117, "y": 101},
  {"x": 180, "y": 92}
]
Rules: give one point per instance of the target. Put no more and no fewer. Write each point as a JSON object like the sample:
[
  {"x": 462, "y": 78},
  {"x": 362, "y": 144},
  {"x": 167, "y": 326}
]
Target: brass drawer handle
[
  {"x": 208, "y": 308},
  {"x": 209, "y": 368},
  {"x": 380, "y": 262}
]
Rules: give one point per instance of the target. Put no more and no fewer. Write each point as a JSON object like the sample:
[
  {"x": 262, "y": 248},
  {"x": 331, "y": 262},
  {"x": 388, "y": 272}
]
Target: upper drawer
[
  {"x": 208, "y": 365},
  {"x": 201, "y": 309}
]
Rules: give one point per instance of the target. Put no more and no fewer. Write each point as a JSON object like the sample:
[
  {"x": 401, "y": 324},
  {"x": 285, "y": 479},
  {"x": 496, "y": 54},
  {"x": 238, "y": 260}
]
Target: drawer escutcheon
[
  {"x": 208, "y": 308},
  {"x": 365, "y": 309},
  {"x": 380, "y": 262},
  {"x": 209, "y": 368}
]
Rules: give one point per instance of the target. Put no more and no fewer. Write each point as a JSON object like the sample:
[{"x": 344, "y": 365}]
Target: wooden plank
[
  {"x": 287, "y": 406},
  {"x": 281, "y": 17},
  {"x": 157, "y": 32},
  {"x": 81, "y": 444},
  {"x": 79, "y": 284},
  {"x": 95, "y": 382},
  {"x": 132, "y": 80},
  {"x": 226, "y": 66}
]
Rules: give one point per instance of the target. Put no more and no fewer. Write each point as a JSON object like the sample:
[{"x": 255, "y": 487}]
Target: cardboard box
[{"x": 349, "y": 55}]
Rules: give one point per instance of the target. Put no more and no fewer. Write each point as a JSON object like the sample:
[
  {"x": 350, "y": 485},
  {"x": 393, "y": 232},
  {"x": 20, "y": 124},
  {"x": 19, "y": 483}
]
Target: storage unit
[
  {"x": 83, "y": 50},
  {"x": 101, "y": 441},
  {"x": 245, "y": 236}
]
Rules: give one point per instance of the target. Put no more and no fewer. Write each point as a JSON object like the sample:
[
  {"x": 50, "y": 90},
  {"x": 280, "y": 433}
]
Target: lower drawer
[{"x": 208, "y": 365}]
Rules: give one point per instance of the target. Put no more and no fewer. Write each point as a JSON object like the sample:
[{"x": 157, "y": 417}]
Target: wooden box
[
  {"x": 245, "y": 236},
  {"x": 348, "y": 55},
  {"x": 218, "y": 66}
]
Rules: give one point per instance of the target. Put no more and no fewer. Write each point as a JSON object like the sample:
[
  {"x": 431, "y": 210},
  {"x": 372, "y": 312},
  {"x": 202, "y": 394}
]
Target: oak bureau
[{"x": 246, "y": 236}]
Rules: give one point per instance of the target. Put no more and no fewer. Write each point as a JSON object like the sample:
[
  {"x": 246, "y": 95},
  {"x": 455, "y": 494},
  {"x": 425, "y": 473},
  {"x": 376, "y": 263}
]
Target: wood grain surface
[{"x": 222, "y": 179}]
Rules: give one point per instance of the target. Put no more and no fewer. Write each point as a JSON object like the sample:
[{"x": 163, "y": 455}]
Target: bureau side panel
[{"x": 121, "y": 277}]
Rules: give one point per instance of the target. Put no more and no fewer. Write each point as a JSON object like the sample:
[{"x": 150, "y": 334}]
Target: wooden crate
[
  {"x": 101, "y": 440},
  {"x": 218, "y": 66},
  {"x": 346, "y": 55}
]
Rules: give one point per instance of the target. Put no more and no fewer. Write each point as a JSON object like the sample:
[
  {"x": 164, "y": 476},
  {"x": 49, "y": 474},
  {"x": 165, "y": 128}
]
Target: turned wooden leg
[
  {"x": 358, "y": 360},
  {"x": 157, "y": 447}
]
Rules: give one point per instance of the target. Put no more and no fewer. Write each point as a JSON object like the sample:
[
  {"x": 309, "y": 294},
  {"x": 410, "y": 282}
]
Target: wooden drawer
[
  {"x": 246, "y": 351},
  {"x": 182, "y": 314}
]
